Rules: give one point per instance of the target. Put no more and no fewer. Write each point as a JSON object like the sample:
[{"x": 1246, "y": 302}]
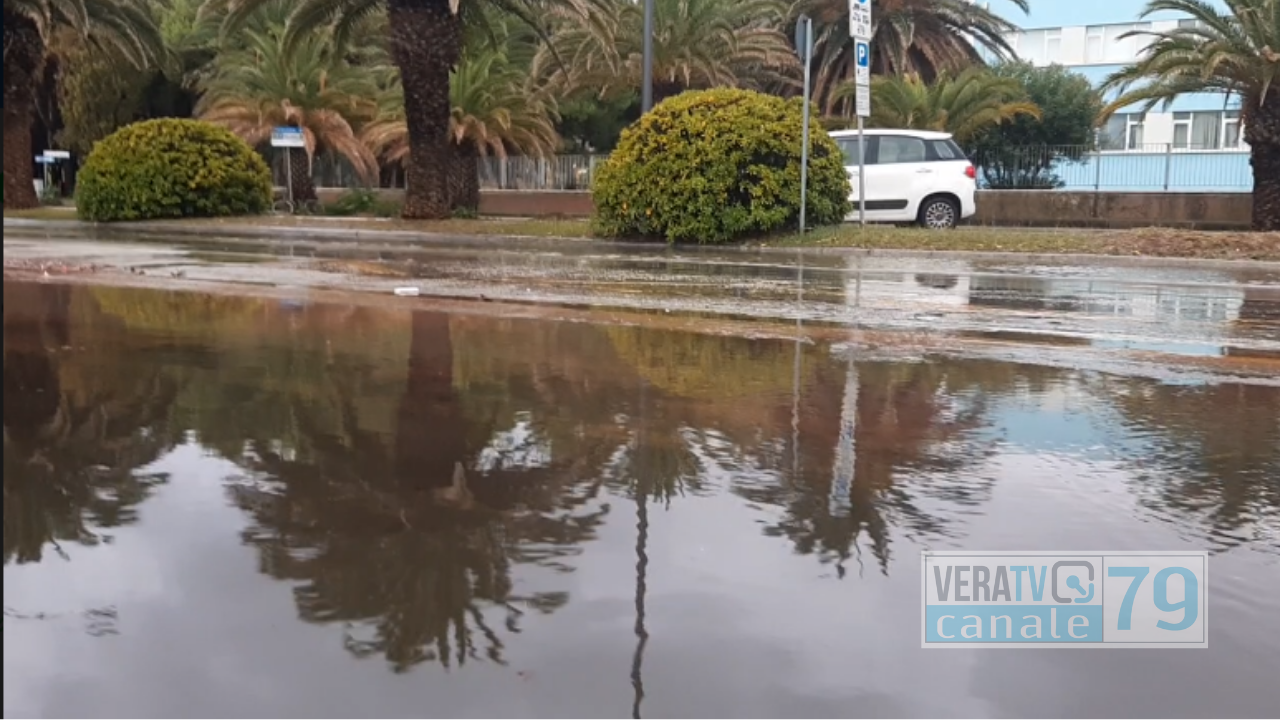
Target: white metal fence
[{"x": 1156, "y": 168}]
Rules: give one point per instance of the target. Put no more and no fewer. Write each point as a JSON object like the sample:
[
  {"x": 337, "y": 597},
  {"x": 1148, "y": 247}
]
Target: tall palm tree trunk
[
  {"x": 23, "y": 57},
  {"x": 426, "y": 43},
  {"x": 464, "y": 178},
  {"x": 300, "y": 175},
  {"x": 1263, "y": 135}
]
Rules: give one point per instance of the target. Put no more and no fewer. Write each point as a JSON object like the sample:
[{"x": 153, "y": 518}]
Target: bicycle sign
[{"x": 1038, "y": 600}]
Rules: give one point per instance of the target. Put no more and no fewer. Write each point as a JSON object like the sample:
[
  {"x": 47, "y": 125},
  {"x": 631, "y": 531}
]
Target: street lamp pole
[{"x": 646, "y": 84}]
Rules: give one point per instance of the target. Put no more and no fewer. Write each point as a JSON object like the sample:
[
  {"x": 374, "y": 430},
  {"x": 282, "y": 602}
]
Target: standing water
[{"x": 220, "y": 506}]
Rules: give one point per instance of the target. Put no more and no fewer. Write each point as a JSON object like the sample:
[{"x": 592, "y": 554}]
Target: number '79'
[{"x": 1190, "y": 602}]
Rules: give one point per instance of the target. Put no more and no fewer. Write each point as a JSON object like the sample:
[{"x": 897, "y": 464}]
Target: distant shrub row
[{"x": 707, "y": 166}]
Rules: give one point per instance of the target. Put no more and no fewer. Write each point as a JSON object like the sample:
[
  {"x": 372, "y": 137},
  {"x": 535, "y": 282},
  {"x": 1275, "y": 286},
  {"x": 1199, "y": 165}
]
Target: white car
[{"x": 913, "y": 176}]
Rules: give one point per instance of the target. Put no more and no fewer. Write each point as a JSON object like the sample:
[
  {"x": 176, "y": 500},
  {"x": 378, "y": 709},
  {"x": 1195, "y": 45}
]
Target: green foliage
[
  {"x": 98, "y": 93},
  {"x": 589, "y": 124},
  {"x": 716, "y": 165},
  {"x": 964, "y": 105},
  {"x": 361, "y": 201},
  {"x": 927, "y": 37},
  {"x": 1069, "y": 107},
  {"x": 171, "y": 168}
]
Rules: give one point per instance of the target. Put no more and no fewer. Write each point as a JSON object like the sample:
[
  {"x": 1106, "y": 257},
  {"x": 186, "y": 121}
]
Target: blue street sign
[
  {"x": 287, "y": 137},
  {"x": 864, "y": 55}
]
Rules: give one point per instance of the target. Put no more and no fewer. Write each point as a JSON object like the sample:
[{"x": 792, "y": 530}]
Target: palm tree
[
  {"x": 697, "y": 44},
  {"x": 29, "y": 28},
  {"x": 425, "y": 39},
  {"x": 1234, "y": 53},
  {"x": 927, "y": 37},
  {"x": 257, "y": 88},
  {"x": 496, "y": 110},
  {"x": 964, "y": 106}
]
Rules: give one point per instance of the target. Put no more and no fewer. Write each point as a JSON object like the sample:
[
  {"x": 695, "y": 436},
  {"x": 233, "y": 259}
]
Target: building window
[
  {"x": 1119, "y": 49},
  {"x": 1095, "y": 44},
  {"x": 1123, "y": 131},
  {"x": 1031, "y": 46},
  {"x": 1053, "y": 46},
  {"x": 1231, "y": 130},
  {"x": 1134, "y": 123},
  {"x": 1181, "y": 131},
  {"x": 1206, "y": 130}
]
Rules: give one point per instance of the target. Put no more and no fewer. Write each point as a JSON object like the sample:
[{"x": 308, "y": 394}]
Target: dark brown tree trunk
[
  {"x": 430, "y": 429},
  {"x": 426, "y": 43},
  {"x": 1266, "y": 188},
  {"x": 300, "y": 176},
  {"x": 1261, "y": 122},
  {"x": 23, "y": 59},
  {"x": 464, "y": 178}
]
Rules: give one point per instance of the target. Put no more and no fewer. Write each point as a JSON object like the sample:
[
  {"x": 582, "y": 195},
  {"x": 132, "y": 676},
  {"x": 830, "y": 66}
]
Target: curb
[{"x": 154, "y": 230}]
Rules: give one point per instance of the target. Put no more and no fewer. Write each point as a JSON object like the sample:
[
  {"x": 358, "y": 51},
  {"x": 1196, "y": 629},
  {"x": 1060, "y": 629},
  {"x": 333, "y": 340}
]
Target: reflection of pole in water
[
  {"x": 795, "y": 375},
  {"x": 839, "y": 500},
  {"x": 640, "y": 481},
  {"x": 642, "y": 635}
]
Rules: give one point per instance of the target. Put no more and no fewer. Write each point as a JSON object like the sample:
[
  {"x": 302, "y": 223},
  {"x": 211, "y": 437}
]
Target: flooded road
[
  {"x": 1171, "y": 320},
  {"x": 217, "y": 505}
]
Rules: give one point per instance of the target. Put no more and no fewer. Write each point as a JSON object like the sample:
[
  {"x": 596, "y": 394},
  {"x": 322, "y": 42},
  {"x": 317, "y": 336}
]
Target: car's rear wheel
[{"x": 939, "y": 213}]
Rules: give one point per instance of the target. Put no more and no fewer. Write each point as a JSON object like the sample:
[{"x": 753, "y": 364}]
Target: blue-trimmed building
[{"x": 1195, "y": 144}]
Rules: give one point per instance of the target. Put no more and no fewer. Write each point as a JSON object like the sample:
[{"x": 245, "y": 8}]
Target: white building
[{"x": 1087, "y": 37}]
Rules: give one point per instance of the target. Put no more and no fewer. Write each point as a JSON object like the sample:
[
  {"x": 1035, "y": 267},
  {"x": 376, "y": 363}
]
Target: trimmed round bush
[
  {"x": 171, "y": 168},
  {"x": 712, "y": 166}
]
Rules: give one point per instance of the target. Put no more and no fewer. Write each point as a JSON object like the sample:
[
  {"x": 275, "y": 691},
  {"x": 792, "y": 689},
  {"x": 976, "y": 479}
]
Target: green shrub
[
  {"x": 714, "y": 165},
  {"x": 171, "y": 168},
  {"x": 362, "y": 201}
]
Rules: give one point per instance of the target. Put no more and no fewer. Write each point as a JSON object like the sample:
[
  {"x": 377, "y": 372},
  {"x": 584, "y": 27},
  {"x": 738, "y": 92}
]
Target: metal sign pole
[
  {"x": 646, "y": 83},
  {"x": 862, "y": 175},
  {"x": 862, "y": 30},
  {"x": 288, "y": 172},
  {"x": 806, "y": 51}
]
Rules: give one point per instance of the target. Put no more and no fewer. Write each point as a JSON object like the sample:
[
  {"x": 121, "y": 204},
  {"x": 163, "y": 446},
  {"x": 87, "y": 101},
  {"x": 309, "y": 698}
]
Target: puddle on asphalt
[{"x": 538, "y": 518}]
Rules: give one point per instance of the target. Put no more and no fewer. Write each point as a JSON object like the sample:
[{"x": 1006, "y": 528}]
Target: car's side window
[
  {"x": 899, "y": 149},
  {"x": 943, "y": 150},
  {"x": 849, "y": 146}
]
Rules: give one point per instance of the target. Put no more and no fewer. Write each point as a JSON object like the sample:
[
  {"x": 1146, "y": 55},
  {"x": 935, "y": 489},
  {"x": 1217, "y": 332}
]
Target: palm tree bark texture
[
  {"x": 464, "y": 178},
  {"x": 1262, "y": 132},
  {"x": 23, "y": 60},
  {"x": 299, "y": 179},
  {"x": 426, "y": 43}
]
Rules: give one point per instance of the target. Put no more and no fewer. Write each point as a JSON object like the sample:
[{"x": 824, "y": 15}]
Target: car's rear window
[{"x": 946, "y": 150}]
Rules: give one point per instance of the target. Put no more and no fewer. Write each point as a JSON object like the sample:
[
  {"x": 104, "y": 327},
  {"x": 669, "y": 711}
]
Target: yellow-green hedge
[
  {"x": 171, "y": 168},
  {"x": 715, "y": 165}
]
